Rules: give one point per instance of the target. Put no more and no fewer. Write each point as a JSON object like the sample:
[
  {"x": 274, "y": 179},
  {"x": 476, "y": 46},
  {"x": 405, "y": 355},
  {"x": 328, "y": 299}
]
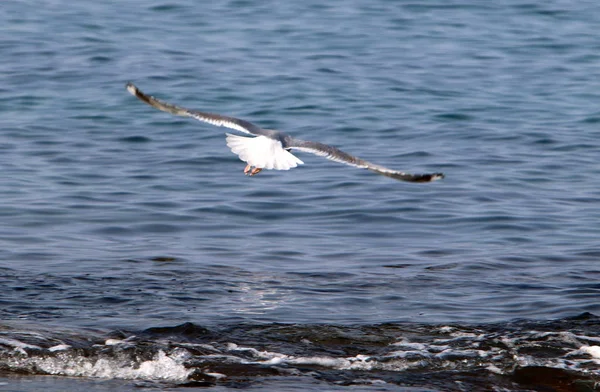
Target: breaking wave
[{"x": 511, "y": 356}]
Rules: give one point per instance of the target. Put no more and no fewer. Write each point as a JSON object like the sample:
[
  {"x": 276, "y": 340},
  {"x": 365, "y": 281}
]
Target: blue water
[{"x": 115, "y": 215}]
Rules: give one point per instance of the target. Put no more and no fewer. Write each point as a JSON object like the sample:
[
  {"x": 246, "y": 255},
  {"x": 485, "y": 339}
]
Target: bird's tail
[{"x": 262, "y": 152}]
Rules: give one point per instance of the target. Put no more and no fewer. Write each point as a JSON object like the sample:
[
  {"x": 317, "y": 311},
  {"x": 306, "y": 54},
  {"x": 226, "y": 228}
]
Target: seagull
[{"x": 270, "y": 149}]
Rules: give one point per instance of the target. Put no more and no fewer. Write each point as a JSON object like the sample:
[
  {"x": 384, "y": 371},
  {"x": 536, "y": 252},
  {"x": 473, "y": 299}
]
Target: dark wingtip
[{"x": 429, "y": 177}]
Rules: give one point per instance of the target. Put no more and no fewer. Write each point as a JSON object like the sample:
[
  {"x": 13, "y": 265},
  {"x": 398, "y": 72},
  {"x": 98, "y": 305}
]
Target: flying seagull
[{"x": 269, "y": 149}]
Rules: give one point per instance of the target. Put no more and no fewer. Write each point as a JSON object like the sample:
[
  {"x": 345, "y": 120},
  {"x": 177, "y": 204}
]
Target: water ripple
[{"x": 500, "y": 98}]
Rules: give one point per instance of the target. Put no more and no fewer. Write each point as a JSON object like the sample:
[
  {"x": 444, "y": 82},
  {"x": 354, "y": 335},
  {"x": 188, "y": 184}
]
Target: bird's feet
[{"x": 249, "y": 171}]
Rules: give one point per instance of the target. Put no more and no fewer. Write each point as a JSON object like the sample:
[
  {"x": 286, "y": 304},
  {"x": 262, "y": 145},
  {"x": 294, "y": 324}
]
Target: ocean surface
[{"x": 135, "y": 254}]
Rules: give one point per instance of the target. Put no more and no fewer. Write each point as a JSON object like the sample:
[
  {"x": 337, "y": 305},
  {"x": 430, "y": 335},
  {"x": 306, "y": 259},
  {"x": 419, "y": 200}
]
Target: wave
[{"x": 560, "y": 355}]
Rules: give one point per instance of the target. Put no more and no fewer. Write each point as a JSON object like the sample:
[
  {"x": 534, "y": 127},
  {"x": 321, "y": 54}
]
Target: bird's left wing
[
  {"x": 211, "y": 118},
  {"x": 338, "y": 155}
]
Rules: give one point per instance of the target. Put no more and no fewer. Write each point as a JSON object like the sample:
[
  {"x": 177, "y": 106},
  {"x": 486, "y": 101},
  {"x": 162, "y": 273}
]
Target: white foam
[
  {"x": 561, "y": 336},
  {"x": 411, "y": 354},
  {"x": 17, "y": 344},
  {"x": 494, "y": 369},
  {"x": 253, "y": 351},
  {"x": 162, "y": 367},
  {"x": 358, "y": 362},
  {"x": 329, "y": 362},
  {"x": 594, "y": 351},
  {"x": 414, "y": 346},
  {"x": 59, "y": 347},
  {"x": 453, "y": 353},
  {"x": 218, "y": 376},
  {"x": 373, "y": 381},
  {"x": 471, "y": 335}
]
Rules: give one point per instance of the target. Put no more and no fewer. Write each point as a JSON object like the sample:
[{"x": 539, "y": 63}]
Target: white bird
[{"x": 270, "y": 149}]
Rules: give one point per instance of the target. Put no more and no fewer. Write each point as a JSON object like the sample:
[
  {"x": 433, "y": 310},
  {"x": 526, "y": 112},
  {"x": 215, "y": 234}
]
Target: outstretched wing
[
  {"x": 211, "y": 118},
  {"x": 338, "y": 155}
]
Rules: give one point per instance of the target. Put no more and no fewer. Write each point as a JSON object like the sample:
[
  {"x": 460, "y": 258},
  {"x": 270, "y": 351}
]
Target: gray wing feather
[
  {"x": 338, "y": 155},
  {"x": 211, "y": 118}
]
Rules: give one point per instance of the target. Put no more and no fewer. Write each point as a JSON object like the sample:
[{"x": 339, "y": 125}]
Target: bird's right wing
[
  {"x": 211, "y": 118},
  {"x": 338, "y": 155}
]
